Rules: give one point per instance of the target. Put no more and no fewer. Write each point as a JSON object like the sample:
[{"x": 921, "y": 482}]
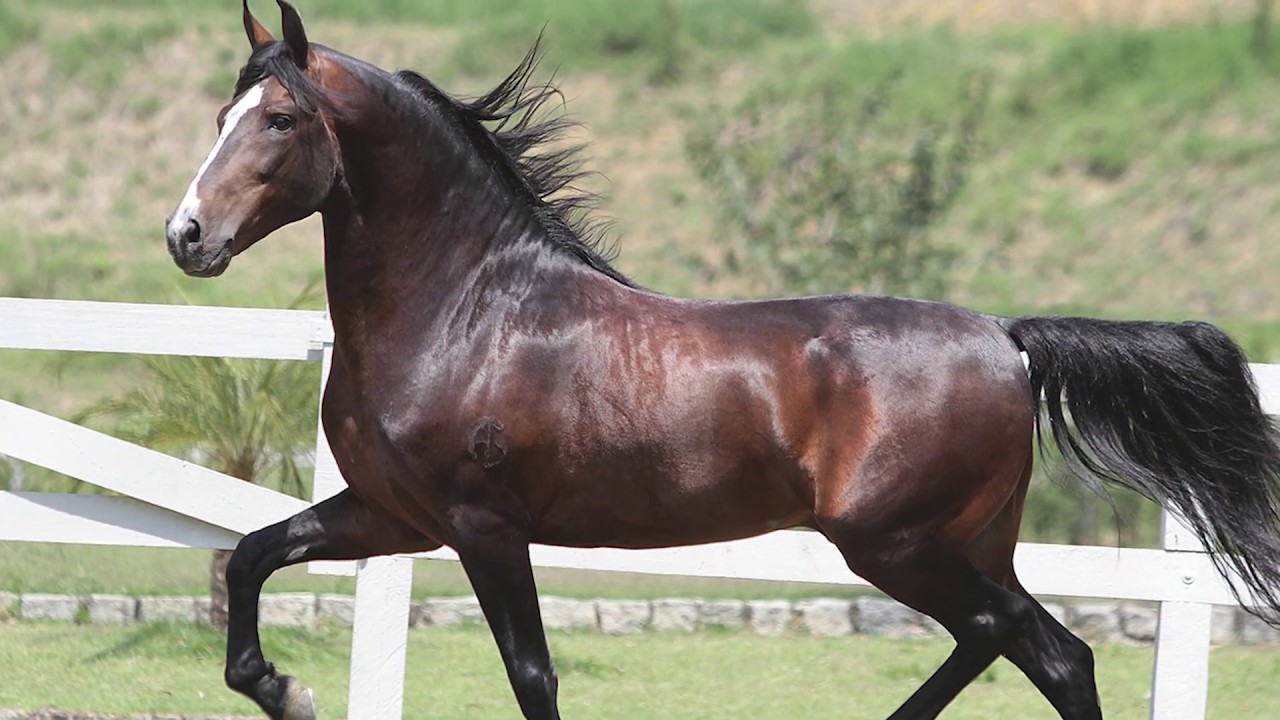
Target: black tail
[{"x": 1170, "y": 411}]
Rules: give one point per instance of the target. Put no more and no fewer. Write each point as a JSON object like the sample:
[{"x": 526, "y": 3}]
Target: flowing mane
[{"x": 509, "y": 128}]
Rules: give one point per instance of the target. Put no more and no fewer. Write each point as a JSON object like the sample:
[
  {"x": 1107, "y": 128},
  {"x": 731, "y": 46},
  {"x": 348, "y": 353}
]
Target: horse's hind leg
[
  {"x": 984, "y": 618},
  {"x": 340, "y": 528},
  {"x": 495, "y": 554},
  {"x": 1058, "y": 663},
  {"x": 908, "y": 536}
]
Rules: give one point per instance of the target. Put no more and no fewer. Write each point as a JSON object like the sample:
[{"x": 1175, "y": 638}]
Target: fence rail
[{"x": 172, "y": 503}]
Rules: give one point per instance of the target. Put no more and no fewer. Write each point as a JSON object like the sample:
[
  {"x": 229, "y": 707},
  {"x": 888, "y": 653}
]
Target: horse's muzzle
[{"x": 191, "y": 253}]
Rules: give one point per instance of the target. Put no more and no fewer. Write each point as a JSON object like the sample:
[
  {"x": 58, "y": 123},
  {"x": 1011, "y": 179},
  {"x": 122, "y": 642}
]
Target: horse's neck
[
  {"x": 381, "y": 277},
  {"x": 405, "y": 234},
  {"x": 422, "y": 253}
]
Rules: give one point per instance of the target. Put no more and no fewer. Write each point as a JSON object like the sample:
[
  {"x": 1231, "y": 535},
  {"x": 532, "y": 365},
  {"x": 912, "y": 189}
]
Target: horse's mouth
[{"x": 214, "y": 267}]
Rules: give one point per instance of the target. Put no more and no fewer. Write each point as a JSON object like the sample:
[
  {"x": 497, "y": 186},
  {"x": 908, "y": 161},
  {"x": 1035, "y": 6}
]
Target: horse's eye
[{"x": 280, "y": 123}]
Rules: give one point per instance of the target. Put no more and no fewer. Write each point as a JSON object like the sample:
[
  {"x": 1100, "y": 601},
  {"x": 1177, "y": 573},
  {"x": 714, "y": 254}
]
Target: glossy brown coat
[{"x": 496, "y": 383}]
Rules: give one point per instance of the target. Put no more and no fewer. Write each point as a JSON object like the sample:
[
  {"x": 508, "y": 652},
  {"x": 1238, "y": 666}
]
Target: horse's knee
[{"x": 246, "y": 560}]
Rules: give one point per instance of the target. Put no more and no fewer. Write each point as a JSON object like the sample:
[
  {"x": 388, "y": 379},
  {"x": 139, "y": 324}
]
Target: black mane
[
  {"x": 509, "y": 127},
  {"x": 272, "y": 60}
]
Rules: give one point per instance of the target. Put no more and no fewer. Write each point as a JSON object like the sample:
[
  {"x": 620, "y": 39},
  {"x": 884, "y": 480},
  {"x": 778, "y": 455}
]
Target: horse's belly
[
  {"x": 641, "y": 537},
  {"x": 666, "y": 512}
]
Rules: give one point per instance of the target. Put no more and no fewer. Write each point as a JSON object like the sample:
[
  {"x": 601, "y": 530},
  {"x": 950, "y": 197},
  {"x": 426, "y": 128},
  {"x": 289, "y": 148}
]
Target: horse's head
[{"x": 274, "y": 162}]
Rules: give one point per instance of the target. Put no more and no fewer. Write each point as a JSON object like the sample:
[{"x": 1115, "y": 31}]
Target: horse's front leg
[
  {"x": 495, "y": 554},
  {"x": 340, "y": 528}
]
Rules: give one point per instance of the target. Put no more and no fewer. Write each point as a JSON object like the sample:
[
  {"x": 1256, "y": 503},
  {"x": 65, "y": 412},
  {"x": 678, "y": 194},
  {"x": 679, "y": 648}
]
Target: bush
[{"x": 819, "y": 196}]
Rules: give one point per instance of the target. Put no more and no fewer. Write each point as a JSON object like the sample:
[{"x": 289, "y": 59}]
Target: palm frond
[{"x": 247, "y": 417}]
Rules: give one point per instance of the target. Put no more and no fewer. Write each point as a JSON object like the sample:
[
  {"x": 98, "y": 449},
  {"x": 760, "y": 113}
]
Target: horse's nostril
[{"x": 191, "y": 232}]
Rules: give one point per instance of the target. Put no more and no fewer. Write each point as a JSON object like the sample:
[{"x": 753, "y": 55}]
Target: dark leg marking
[
  {"x": 495, "y": 554},
  {"x": 1058, "y": 663},
  {"x": 340, "y": 528},
  {"x": 984, "y": 618}
]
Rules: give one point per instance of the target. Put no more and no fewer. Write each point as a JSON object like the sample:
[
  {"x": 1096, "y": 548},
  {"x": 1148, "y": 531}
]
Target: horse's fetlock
[{"x": 244, "y": 677}]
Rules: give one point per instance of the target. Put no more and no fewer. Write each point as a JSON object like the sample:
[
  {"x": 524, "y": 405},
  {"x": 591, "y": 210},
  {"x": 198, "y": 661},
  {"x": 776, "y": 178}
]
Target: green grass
[
  {"x": 16, "y": 27},
  {"x": 52, "y": 265},
  {"x": 494, "y": 33},
  {"x": 102, "y": 54},
  {"x": 1111, "y": 98},
  {"x": 457, "y": 674},
  {"x": 82, "y": 569}
]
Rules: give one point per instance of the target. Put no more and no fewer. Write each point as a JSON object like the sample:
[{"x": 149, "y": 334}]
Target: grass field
[
  {"x": 80, "y": 570},
  {"x": 457, "y": 674}
]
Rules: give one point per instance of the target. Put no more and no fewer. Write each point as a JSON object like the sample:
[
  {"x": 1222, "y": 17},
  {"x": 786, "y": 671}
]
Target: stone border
[{"x": 1095, "y": 622}]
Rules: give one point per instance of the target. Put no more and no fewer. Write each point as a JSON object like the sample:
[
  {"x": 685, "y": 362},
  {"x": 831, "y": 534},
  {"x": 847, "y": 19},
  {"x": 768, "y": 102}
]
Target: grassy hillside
[
  {"x": 1128, "y": 166},
  {"x": 1123, "y": 171}
]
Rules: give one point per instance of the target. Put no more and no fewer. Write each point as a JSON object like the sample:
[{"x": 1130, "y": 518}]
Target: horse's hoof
[{"x": 298, "y": 702}]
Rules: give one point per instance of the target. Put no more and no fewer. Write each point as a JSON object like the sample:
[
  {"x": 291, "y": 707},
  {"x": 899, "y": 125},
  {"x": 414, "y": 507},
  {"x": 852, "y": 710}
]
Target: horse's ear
[
  {"x": 258, "y": 35},
  {"x": 295, "y": 36}
]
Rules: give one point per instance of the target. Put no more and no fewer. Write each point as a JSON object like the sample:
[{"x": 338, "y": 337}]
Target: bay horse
[{"x": 496, "y": 383}]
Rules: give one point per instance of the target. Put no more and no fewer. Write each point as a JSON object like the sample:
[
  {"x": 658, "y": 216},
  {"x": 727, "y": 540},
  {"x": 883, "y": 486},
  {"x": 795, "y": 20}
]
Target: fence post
[
  {"x": 327, "y": 479},
  {"x": 1180, "y": 680},
  {"x": 379, "y": 638}
]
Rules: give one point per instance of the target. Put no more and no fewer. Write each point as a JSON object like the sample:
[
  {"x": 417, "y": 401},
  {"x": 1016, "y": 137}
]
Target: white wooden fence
[{"x": 172, "y": 503}]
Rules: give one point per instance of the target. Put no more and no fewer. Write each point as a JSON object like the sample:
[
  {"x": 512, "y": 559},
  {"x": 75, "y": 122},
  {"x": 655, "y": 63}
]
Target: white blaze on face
[{"x": 190, "y": 205}]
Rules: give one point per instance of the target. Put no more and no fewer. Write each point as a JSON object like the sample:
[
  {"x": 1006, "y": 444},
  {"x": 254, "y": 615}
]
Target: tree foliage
[
  {"x": 1061, "y": 509},
  {"x": 1261, "y": 38},
  {"x": 823, "y": 194},
  {"x": 251, "y": 419}
]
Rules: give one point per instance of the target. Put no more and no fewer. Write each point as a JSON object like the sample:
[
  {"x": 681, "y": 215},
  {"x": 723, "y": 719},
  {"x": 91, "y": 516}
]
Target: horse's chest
[
  {"x": 350, "y": 443},
  {"x": 421, "y": 448},
  {"x": 370, "y": 452}
]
